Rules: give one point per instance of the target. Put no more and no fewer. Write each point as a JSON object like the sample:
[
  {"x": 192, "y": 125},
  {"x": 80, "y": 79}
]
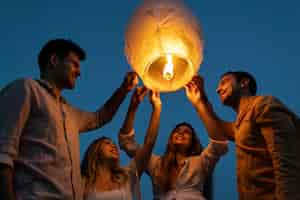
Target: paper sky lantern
[{"x": 163, "y": 44}]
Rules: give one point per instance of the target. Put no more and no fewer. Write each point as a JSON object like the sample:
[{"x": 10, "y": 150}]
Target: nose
[
  {"x": 114, "y": 147},
  {"x": 77, "y": 73},
  {"x": 218, "y": 90}
]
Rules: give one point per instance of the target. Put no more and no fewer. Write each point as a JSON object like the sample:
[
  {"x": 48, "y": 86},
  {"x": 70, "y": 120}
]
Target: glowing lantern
[{"x": 163, "y": 44}]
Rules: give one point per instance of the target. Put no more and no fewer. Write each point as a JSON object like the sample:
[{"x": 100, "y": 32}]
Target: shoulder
[
  {"x": 267, "y": 100},
  {"x": 269, "y": 108},
  {"x": 22, "y": 84},
  {"x": 261, "y": 103},
  {"x": 20, "y": 81},
  {"x": 261, "y": 100}
]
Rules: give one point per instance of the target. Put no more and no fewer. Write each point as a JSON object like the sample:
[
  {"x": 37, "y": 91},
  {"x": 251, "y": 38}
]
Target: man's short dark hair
[
  {"x": 240, "y": 75},
  {"x": 61, "y": 47}
]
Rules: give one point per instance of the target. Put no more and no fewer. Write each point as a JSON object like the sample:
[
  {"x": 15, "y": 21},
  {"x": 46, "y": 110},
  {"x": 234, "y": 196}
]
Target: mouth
[
  {"x": 179, "y": 138},
  {"x": 222, "y": 94},
  {"x": 114, "y": 151}
]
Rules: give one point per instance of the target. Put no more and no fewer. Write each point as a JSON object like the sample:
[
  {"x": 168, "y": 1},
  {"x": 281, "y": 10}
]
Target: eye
[{"x": 76, "y": 64}]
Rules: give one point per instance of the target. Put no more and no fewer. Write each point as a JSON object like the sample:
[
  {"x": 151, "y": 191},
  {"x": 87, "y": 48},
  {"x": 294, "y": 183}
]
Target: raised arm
[
  {"x": 92, "y": 120},
  {"x": 216, "y": 128},
  {"x": 143, "y": 155},
  {"x": 126, "y": 137}
]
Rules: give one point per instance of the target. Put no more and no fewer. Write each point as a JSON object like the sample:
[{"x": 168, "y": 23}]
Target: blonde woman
[{"x": 104, "y": 178}]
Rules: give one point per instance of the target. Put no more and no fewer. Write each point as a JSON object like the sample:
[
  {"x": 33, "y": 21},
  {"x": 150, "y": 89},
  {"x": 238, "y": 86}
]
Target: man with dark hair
[
  {"x": 39, "y": 141},
  {"x": 266, "y": 133}
]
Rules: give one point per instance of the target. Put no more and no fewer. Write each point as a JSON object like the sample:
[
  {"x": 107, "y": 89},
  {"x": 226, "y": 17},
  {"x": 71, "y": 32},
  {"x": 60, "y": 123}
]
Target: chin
[
  {"x": 70, "y": 86},
  {"x": 115, "y": 158},
  {"x": 225, "y": 101},
  {"x": 180, "y": 145}
]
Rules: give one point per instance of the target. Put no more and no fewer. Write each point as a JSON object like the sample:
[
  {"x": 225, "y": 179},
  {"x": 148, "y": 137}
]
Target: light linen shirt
[
  {"x": 267, "y": 137},
  {"x": 192, "y": 176},
  {"x": 39, "y": 140}
]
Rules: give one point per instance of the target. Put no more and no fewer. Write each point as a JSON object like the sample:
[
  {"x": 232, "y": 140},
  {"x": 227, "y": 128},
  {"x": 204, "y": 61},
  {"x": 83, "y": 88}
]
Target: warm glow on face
[{"x": 168, "y": 72}]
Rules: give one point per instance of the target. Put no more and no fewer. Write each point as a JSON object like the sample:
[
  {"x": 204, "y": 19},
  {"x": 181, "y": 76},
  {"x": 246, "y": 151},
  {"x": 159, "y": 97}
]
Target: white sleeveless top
[
  {"x": 129, "y": 191},
  {"x": 108, "y": 195}
]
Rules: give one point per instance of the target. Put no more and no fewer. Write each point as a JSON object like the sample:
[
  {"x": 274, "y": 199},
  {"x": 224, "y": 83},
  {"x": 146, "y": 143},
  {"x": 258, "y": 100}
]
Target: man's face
[
  {"x": 68, "y": 69},
  {"x": 228, "y": 88}
]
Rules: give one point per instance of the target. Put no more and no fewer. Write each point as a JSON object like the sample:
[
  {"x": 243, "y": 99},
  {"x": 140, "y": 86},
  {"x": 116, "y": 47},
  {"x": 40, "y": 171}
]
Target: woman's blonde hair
[{"x": 92, "y": 159}]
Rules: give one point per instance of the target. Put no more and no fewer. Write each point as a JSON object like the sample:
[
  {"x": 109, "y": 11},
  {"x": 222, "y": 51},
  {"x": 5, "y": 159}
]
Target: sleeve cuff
[
  {"x": 218, "y": 141},
  {"x": 130, "y": 133}
]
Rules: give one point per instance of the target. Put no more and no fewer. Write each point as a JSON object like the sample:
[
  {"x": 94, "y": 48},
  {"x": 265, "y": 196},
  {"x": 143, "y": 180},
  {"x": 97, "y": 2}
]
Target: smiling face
[
  {"x": 67, "y": 70},
  {"x": 228, "y": 89},
  {"x": 182, "y": 137},
  {"x": 109, "y": 151}
]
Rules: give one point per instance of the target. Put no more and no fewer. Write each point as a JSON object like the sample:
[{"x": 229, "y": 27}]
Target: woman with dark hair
[
  {"x": 182, "y": 171},
  {"x": 103, "y": 177}
]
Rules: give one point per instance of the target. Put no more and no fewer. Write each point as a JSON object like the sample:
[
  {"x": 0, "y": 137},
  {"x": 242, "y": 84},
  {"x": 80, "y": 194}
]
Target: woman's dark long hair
[{"x": 168, "y": 161}]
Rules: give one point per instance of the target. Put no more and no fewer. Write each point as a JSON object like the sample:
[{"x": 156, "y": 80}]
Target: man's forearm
[
  {"x": 6, "y": 183},
  {"x": 215, "y": 127},
  {"x": 109, "y": 109}
]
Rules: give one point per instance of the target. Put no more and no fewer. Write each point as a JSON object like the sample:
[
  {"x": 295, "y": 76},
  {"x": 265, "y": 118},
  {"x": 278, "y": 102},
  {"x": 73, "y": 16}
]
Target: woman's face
[
  {"x": 182, "y": 137},
  {"x": 109, "y": 150}
]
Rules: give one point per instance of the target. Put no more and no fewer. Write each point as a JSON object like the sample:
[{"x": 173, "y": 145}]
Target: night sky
[{"x": 261, "y": 37}]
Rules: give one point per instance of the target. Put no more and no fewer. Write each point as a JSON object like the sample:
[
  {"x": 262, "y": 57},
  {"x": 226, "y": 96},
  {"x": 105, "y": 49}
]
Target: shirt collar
[
  {"x": 45, "y": 84},
  {"x": 245, "y": 106}
]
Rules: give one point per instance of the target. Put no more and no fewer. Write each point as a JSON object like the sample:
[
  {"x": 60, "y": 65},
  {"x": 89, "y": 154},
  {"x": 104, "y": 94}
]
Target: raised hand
[
  {"x": 138, "y": 96},
  {"x": 195, "y": 90},
  {"x": 130, "y": 81},
  {"x": 154, "y": 98}
]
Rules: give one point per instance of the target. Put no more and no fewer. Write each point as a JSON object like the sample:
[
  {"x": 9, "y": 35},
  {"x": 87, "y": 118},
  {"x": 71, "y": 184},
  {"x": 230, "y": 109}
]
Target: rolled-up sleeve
[
  {"x": 128, "y": 143},
  {"x": 211, "y": 154},
  {"x": 85, "y": 120},
  {"x": 14, "y": 112},
  {"x": 279, "y": 131},
  {"x": 88, "y": 121}
]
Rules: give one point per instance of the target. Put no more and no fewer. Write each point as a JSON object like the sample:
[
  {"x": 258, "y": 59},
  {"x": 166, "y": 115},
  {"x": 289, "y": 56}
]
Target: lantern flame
[{"x": 168, "y": 71}]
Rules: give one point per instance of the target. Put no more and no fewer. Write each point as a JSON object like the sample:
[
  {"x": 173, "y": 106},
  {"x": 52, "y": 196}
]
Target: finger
[
  {"x": 138, "y": 90},
  {"x": 143, "y": 93},
  {"x": 190, "y": 86},
  {"x": 157, "y": 94},
  {"x": 144, "y": 89}
]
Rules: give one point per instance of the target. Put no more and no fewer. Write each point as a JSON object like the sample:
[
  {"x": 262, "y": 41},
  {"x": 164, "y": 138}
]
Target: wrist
[
  {"x": 200, "y": 104},
  {"x": 123, "y": 90},
  {"x": 133, "y": 107},
  {"x": 157, "y": 107}
]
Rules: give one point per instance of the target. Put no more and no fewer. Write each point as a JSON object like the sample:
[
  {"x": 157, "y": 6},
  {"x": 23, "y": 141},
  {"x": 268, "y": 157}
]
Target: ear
[
  {"x": 53, "y": 60},
  {"x": 245, "y": 83}
]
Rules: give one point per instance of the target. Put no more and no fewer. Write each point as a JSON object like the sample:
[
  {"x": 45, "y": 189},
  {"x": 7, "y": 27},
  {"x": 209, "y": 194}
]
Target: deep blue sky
[{"x": 261, "y": 37}]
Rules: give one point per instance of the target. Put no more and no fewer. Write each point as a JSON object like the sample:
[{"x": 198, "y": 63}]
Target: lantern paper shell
[{"x": 160, "y": 29}]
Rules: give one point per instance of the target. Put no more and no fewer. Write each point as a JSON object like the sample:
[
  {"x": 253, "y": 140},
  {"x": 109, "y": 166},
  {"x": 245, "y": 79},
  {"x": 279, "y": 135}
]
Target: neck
[
  {"x": 240, "y": 103},
  {"x": 180, "y": 157},
  {"x": 105, "y": 172},
  {"x": 54, "y": 84},
  {"x": 239, "y": 100}
]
